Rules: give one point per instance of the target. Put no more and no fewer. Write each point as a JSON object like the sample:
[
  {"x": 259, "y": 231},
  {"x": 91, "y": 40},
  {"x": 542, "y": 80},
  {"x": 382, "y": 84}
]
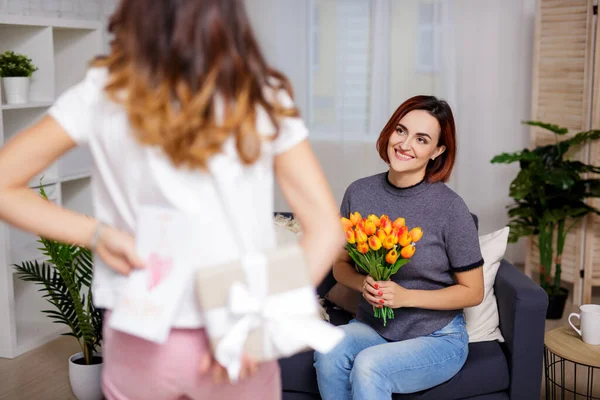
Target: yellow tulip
[
  {"x": 346, "y": 224},
  {"x": 360, "y": 236},
  {"x": 399, "y": 222},
  {"x": 375, "y": 219},
  {"x": 416, "y": 234},
  {"x": 405, "y": 239},
  {"x": 350, "y": 237},
  {"x": 355, "y": 218},
  {"x": 408, "y": 251},
  {"x": 391, "y": 256},
  {"x": 362, "y": 247},
  {"x": 374, "y": 243},
  {"x": 388, "y": 242},
  {"x": 370, "y": 228}
]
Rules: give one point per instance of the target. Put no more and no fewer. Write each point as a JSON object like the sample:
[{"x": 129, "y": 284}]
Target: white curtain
[{"x": 487, "y": 49}]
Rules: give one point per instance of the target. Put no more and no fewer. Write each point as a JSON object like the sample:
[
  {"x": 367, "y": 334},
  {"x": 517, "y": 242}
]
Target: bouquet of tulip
[{"x": 380, "y": 248}]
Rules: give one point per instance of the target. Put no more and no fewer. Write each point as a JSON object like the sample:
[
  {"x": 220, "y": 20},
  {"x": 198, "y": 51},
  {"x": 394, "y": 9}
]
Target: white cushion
[{"x": 483, "y": 320}]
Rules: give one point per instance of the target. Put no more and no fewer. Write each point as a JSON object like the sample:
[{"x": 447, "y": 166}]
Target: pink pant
[{"x": 137, "y": 369}]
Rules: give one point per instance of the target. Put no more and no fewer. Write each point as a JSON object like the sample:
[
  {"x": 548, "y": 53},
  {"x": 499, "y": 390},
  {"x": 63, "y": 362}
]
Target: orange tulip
[
  {"x": 405, "y": 239},
  {"x": 350, "y": 237},
  {"x": 361, "y": 225},
  {"x": 381, "y": 234},
  {"x": 388, "y": 242},
  {"x": 416, "y": 234},
  {"x": 408, "y": 251},
  {"x": 375, "y": 219},
  {"x": 370, "y": 228},
  {"x": 399, "y": 222},
  {"x": 346, "y": 224},
  {"x": 386, "y": 225},
  {"x": 374, "y": 243},
  {"x": 395, "y": 233},
  {"x": 391, "y": 256},
  {"x": 360, "y": 236},
  {"x": 383, "y": 216},
  {"x": 355, "y": 218},
  {"x": 362, "y": 247}
]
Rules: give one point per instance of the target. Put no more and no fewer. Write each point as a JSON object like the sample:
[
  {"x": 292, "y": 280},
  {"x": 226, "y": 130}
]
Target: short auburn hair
[{"x": 441, "y": 168}]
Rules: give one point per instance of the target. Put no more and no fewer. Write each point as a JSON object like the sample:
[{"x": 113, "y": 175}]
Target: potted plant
[
  {"x": 549, "y": 194},
  {"x": 15, "y": 71},
  {"x": 65, "y": 281}
]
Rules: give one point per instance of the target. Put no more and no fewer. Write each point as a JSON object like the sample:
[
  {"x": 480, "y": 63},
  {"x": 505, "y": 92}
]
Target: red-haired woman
[
  {"x": 426, "y": 343},
  {"x": 184, "y": 89}
]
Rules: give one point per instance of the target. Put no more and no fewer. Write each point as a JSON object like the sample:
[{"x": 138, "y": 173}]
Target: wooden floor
[{"x": 42, "y": 374}]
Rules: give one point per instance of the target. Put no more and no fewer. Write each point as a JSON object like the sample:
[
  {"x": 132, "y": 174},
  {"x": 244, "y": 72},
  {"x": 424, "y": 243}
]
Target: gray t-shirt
[{"x": 450, "y": 243}]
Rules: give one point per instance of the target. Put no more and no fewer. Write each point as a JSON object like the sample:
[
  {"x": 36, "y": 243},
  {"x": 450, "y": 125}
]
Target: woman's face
[{"x": 414, "y": 143}]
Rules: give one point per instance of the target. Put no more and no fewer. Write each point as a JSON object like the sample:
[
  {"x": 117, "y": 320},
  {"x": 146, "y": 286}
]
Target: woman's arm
[
  {"x": 468, "y": 292},
  {"x": 26, "y": 155},
  {"x": 344, "y": 272},
  {"x": 305, "y": 188}
]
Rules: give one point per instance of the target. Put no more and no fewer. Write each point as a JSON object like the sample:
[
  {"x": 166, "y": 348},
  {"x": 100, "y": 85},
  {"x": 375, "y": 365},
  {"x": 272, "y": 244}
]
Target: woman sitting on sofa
[{"x": 426, "y": 343}]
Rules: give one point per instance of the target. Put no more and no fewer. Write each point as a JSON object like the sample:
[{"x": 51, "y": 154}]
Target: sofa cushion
[{"x": 485, "y": 371}]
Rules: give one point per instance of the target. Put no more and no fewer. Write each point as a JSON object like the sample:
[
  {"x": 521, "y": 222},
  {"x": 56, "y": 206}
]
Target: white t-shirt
[{"x": 127, "y": 175}]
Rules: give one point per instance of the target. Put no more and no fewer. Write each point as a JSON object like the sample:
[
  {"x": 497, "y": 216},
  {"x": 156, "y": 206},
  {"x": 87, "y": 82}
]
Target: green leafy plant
[
  {"x": 15, "y": 65},
  {"x": 65, "y": 281},
  {"x": 549, "y": 194}
]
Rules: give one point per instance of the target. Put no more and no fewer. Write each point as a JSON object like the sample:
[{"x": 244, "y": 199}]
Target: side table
[{"x": 570, "y": 366}]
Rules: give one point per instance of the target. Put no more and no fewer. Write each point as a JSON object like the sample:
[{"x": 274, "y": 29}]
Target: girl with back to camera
[{"x": 185, "y": 83}]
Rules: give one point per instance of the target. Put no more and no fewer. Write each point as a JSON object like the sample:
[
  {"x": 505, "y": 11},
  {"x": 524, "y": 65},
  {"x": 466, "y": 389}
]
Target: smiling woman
[
  {"x": 421, "y": 130},
  {"x": 425, "y": 344}
]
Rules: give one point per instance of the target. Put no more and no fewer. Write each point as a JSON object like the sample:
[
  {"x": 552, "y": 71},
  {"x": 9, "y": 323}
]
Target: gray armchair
[{"x": 493, "y": 370}]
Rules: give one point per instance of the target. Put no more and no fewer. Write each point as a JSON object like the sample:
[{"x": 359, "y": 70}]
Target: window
[
  {"x": 427, "y": 41},
  {"x": 340, "y": 73}
]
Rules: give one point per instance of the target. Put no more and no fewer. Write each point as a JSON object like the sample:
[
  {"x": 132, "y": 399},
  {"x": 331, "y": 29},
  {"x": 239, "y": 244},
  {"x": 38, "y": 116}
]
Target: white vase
[
  {"x": 86, "y": 380},
  {"x": 16, "y": 90}
]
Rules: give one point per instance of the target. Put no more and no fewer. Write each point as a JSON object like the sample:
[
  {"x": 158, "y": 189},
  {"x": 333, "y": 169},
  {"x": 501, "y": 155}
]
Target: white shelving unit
[{"x": 61, "y": 49}]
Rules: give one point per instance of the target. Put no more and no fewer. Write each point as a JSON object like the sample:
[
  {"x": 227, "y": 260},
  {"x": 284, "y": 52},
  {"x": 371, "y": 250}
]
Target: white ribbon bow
[{"x": 290, "y": 324}]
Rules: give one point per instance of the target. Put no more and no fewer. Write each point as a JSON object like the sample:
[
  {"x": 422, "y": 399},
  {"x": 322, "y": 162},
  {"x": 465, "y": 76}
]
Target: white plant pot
[
  {"x": 16, "y": 90},
  {"x": 86, "y": 380}
]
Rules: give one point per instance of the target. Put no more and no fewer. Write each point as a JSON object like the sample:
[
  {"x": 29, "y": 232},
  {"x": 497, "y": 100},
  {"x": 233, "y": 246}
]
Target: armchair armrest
[{"x": 522, "y": 307}]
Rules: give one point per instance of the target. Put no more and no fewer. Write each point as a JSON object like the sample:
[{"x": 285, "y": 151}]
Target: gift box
[{"x": 262, "y": 305}]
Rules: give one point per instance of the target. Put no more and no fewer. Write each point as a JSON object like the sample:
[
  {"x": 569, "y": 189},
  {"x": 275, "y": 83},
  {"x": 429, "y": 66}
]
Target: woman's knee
[{"x": 334, "y": 360}]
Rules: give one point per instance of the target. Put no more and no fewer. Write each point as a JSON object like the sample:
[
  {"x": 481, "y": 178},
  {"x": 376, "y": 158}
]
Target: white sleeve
[
  {"x": 292, "y": 130},
  {"x": 75, "y": 108}
]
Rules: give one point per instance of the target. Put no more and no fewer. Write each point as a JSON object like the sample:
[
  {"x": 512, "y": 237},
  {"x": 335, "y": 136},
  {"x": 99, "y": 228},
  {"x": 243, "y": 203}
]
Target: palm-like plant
[
  {"x": 65, "y": 281},
  {"x": 549, "y": 196}
]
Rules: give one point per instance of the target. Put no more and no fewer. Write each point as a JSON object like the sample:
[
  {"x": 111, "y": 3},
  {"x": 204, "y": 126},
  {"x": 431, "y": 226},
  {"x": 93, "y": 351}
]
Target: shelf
[
  {"x": 73, "y": 51},
  {"x": 75, "y": 164},
  {"x": 34, "y": 104},
  {"x": 24, "y": 245},
  {"x": 58, "y": 23},
  {"x": 76, "y": 177},
  {"x": 77, "y": 196},
  {"x": 34, "y": 328},
  {"x": 36, "y": 43}
]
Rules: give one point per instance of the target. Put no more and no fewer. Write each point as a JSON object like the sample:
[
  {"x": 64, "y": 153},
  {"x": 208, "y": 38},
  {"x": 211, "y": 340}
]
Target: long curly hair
[{"x": 190, "y": 74}]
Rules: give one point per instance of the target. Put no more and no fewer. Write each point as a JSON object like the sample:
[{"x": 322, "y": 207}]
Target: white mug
[{"x": 589, "y": 322}]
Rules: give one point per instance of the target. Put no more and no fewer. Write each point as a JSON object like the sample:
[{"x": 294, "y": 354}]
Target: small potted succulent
[{"x": 15, "y": 71}]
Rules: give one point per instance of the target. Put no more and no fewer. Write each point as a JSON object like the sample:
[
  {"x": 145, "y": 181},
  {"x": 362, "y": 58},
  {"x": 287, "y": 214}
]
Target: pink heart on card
[{"x": 158, "y": 269}]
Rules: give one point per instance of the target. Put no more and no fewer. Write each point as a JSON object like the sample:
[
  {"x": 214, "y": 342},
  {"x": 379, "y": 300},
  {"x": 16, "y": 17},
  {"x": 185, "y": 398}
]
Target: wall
[{"x": 70, "y": 9}]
